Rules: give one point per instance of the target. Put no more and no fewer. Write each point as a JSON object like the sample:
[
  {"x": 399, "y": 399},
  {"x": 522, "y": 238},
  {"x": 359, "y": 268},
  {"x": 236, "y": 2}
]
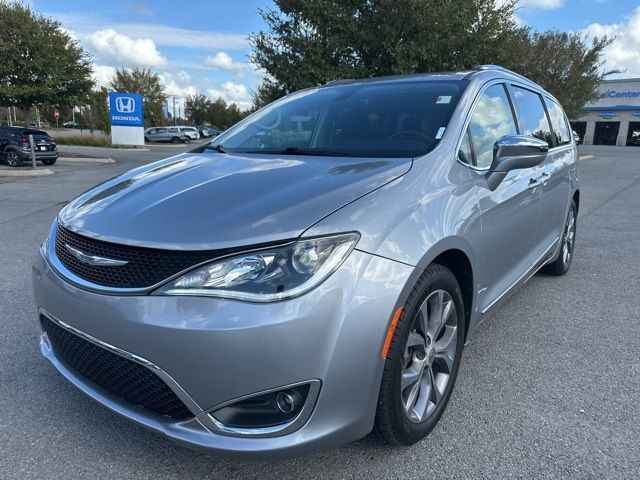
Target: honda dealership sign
[{"x": 127, "y": 118}]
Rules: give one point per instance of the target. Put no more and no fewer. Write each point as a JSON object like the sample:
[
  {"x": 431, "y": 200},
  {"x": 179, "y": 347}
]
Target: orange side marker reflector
[{"x": 390, "y": 332}]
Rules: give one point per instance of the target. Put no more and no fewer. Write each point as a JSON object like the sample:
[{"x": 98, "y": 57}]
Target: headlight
[{"x": 268, "y": 275}]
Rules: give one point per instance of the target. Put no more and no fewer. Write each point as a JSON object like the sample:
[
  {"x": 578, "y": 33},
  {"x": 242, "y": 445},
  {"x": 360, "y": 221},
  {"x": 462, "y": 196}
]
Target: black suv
[{"x": 15, "y": 149}]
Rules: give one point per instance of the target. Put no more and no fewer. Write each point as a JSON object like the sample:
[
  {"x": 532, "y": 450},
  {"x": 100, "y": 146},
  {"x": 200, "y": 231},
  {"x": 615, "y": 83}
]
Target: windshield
[{"x": 392, "y": 120}]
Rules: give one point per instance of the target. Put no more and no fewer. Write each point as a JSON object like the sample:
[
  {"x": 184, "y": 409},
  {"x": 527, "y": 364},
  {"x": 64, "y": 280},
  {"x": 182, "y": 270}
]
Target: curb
[
  {"x": 86, "y": 160},
  {"x": 14, "y": 172}
]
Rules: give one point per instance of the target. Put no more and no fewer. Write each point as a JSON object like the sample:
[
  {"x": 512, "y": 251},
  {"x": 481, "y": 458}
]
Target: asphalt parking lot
[{"x": 549, "y": 387}]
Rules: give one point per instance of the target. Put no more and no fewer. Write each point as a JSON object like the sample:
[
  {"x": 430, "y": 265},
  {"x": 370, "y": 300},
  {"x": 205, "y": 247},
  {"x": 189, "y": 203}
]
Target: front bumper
[{"x": 216, "y": 350}]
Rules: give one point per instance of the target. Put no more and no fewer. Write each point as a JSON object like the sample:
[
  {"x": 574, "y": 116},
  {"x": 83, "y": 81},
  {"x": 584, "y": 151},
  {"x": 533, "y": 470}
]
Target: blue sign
[
  {"x": 126, "y": 109},
  {"x": 636, "y": 114}
]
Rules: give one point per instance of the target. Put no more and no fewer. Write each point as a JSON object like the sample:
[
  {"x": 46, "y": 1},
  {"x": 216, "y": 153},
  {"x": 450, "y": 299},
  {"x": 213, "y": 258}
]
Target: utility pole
[{"x": 175, "y": 120}]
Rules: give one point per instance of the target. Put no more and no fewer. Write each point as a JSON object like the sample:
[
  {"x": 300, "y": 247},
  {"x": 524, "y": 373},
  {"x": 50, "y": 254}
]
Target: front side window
[
  {"x": 491, "y": 120},
  {"x": 533, "y": 119},
  {"x": 561, "y": 130},
  {"x": 390, "y": 120}
]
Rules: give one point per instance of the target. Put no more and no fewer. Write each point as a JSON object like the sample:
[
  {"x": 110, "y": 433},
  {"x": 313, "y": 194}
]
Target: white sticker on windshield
[
  {"x": 440, "y": 133},
  {"x": 443, "y": 99}
]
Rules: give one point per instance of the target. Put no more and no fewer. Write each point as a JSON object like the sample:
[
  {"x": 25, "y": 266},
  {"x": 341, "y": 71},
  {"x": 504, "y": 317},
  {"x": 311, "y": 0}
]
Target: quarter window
[
  {"x": 561, "y": 130},
  {"x": 491, "y": 120},
  {"x": 533, "y": 119}
]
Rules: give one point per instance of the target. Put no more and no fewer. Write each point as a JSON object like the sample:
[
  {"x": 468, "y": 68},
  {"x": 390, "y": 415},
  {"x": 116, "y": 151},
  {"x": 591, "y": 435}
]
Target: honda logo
[{"x": 125, "y": 104}]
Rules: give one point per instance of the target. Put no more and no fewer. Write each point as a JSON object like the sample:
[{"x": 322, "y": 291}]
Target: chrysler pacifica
[{"x": 314, "y": 272}]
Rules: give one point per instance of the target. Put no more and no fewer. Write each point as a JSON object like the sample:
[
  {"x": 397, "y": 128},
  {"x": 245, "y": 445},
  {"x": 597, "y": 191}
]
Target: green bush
[{"x": 84, "y": 140}]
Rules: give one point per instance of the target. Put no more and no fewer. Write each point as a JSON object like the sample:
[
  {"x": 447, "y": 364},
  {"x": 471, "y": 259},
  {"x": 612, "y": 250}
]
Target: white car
[{"x": 191, "y": 132}]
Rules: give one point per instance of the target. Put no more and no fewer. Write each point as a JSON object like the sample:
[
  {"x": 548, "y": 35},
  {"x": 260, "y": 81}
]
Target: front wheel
[
  {"x": 49, "y": 161},
  {"x": 562, "y": 264},
  {"x": 175, "y": 140},
  {"x": 423, "y": 360}
]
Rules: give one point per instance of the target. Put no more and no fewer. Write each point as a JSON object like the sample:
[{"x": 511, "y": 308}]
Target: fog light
[
  {"x": 288, "y": 401},
  {"x": 264, "y": 410}
]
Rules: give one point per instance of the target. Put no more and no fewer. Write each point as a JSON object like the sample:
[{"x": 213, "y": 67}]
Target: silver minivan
[
  {"x": 166, "y": 134},
  {"x": 315, "y": 271}
]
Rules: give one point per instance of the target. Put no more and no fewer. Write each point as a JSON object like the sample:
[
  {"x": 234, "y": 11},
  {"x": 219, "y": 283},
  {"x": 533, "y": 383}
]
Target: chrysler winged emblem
[{"x": 94, "y": 259}]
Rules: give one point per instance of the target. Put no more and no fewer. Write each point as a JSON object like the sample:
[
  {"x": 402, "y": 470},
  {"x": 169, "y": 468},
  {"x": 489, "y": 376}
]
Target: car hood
[{"x": 210, "y": 200}]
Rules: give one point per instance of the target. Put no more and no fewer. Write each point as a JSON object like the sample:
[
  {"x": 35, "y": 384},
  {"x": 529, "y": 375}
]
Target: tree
[
  {"x": 148, "y": 84},
  {"x": 96, "y": 115},
  {"x": 309, "y": 42},
  {"x": 40, "y": 61},
  {"x": 197, "y": 108},
  {"x": 565, "y": 64},
  {"x": 200, "y": 109}
]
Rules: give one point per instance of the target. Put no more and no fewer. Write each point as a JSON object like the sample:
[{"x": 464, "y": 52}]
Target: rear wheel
[
  {"x": 423, "y": 360},
  {"x": 562, "y": 264},
  {"x": 13, "y": 158}
]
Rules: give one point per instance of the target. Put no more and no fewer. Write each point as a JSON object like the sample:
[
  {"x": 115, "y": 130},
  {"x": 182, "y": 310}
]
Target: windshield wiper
[
  {"x": 217, "y": 148},
  {"x": 319, "y": 153}
]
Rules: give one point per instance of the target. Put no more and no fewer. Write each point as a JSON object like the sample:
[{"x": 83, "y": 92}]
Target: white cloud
[
  {"x": 117, "y": 48},
  {"x": 541, "y": 4},
  {"x": 103, "y": 74},
  {"x": 177, "y": 84},
  {"x": 232, "y": 93},
  {"x": 223, "y": 61},
  {"x": 624, "y": 52},
  {"x": 162, "y": 35}
]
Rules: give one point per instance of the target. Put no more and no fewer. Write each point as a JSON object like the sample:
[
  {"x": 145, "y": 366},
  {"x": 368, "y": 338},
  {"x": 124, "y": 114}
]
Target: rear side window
[
  {"x": 561, "y": 129},
  {"x": 491, "y": 120},
  {"x": 533, "y": 119}
]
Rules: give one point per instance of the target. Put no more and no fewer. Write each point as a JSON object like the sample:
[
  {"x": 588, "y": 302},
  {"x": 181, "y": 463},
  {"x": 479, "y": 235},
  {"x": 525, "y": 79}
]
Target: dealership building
[{"x": 614, "y": 118}]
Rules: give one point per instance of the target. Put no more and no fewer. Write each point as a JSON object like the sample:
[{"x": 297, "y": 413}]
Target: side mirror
[{"x": 512, "y": 152}]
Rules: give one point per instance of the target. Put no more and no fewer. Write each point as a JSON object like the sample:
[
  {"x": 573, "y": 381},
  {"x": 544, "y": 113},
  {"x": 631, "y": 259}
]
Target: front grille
[
  {"x": 115, "y": 373},
  {"x": 146, "y": 266}
]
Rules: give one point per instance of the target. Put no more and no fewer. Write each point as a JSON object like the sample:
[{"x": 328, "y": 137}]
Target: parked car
[
  {"x": 205, "y": 132},
  {"x": 166, "y": 134},
  {"x": 191, "y": 132},
  {"x": 317, "y": 269},
  {"x": 16, "y": 149},
  {"x": 576, "y": 137},
  {"x": 71, "y": 125}
]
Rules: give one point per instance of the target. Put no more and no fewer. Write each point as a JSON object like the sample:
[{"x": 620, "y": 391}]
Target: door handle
[
  {"x": 541, "y": 180},
  {"x": 535, "y": 182}
]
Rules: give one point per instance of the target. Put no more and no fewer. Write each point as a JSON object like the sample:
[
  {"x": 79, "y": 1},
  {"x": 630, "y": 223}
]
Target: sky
[{"x": 201, "y": 46}]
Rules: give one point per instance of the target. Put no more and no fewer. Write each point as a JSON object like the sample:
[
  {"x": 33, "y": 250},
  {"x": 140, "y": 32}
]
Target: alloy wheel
[
  {"x": 12, "y": 158},
  {"x": 569, "y": 238},
  {"x": 428, "y": 359}
]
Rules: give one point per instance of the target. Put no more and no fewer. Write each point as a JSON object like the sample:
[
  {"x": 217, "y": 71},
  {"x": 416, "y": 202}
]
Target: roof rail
[
  {"x": 339, "y": 80},
  {"x": 500, "y": 68}
]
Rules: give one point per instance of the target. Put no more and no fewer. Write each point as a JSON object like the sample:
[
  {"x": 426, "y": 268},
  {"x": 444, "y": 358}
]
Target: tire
[
  {"x": 562, "y": 264},
  {"x": 398, "y": 419},
  {"x": 175, "y": 140},
  {"x": 13, "y": 158},
  {"x": 49, "y": 162},
  {"x": 146, "y": 140},
  {"x": 186, "y": 140}
]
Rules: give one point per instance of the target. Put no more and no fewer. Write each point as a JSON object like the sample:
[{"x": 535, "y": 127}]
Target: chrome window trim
[
  {"x": 164, "y": 376},
  {"x": 485, "y": 86},
  {"x": 210, "y": 422}
]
